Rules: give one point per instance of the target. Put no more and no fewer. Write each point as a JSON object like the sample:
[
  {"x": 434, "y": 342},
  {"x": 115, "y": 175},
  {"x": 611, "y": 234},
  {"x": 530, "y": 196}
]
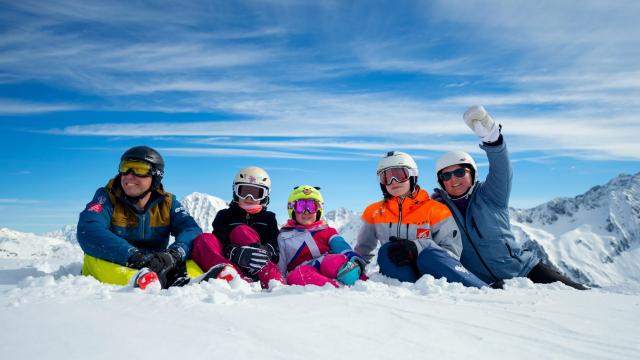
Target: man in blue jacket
[
  {"x": 124, "y": 231},
  {"x": 481, "y": 209}
]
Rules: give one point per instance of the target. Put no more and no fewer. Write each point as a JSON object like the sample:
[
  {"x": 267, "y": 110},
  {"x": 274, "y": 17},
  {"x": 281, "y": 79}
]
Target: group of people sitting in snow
[{"x": 460, "y": 232}]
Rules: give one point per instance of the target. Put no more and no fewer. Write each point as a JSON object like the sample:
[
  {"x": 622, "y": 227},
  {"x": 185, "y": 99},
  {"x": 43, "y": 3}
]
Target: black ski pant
[{"x": 545, "y": 274}]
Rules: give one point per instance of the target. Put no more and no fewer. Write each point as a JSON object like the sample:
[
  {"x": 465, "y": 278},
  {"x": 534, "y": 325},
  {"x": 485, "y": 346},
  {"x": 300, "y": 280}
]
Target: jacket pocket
[{"x": 511, "y": 252}]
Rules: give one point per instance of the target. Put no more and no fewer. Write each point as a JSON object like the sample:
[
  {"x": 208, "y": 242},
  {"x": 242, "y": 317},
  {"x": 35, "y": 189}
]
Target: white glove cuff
[{"x": 493, "y": 135}]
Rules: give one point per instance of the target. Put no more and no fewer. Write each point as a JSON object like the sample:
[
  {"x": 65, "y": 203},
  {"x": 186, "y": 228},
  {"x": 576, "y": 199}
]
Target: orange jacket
[{"x": 419, "y": 218}]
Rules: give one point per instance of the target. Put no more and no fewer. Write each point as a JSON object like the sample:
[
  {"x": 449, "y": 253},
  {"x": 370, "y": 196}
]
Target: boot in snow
[
  {"x": 349, "y": 273},
  {"x": 221, "y": 271},
  {"x": 144, "y": 278}
]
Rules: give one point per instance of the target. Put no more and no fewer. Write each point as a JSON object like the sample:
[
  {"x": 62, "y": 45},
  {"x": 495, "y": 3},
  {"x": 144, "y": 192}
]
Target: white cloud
[
  {"x": 16, "y": 107},
  {"x": 234, "y": 152},
  {"x": 11, "y": 201}
]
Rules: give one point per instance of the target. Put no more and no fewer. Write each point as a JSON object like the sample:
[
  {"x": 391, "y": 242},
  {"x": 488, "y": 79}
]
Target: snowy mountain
[
  {"x": 347, "y": 222},
  {"x": 68, "y": 233},
  {"x": 594, "y": 237},
  {"x": 203, "y": 208},
  {"x": 37, "y": 254}
]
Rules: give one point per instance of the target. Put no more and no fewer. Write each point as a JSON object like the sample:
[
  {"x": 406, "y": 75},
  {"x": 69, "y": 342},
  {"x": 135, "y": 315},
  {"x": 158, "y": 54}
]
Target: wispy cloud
[
  {"x": 558, "y": 83},
  {"x": 233, "y": 152},
  {"x": 15, "y": 107},
  {"x": 22, "y": 172},
  {"x": 10, "y": 201}
]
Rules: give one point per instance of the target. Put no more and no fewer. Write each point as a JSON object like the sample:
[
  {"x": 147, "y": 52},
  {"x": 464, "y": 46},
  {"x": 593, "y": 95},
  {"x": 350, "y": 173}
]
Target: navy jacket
[{"x": 112, "y": 229}]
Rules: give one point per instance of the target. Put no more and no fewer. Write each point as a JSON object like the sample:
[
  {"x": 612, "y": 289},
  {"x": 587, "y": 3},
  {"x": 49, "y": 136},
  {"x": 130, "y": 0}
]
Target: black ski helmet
[{"x": 151, "y": 156}]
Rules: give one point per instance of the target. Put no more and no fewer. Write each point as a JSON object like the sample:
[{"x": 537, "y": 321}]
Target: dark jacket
[
  {"x": 489, "y": 249},
  {"x": 112, "y": 229},
  {"x": 264, "y": 223}
]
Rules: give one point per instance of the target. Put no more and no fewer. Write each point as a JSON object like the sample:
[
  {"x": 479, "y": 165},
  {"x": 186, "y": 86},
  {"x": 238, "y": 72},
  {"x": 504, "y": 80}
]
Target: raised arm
[{"x": 497, "y": 187}]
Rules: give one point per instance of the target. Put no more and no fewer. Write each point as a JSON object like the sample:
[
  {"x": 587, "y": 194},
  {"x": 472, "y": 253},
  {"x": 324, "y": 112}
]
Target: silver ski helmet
[
  {"x": 456, "y": 158},
  {"x": 398, "y": 159},
  {"x": 252, "y": 176}
]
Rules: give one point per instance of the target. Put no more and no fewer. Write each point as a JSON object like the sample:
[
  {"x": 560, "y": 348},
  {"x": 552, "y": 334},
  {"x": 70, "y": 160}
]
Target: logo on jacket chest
[{"x": 423, "y": 233}]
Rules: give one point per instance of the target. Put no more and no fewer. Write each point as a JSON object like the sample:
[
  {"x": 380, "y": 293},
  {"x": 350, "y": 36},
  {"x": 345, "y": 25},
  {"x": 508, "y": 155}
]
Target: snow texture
[{"x": 49, "y": 311}]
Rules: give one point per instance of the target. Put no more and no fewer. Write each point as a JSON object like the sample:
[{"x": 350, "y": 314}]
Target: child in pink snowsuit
[
  {"x": 311, "y": 252},
  {"x": 244, "y": 235}
]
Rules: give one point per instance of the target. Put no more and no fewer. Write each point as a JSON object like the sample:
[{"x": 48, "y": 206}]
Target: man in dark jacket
[
  {"x": 481, "y": 209},
  {"x": 124, "y": 231}
]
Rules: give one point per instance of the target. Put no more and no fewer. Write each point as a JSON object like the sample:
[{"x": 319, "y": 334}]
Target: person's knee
[
  {"x": 243, "y": 235},
  {"x": 404, "y": 273}
]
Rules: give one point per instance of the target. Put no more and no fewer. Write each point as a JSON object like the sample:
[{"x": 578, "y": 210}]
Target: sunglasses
[
  {"x": 255, "y": 192},
  {"x": 305, "y": 205},
  {"x": 399, "y": 174},
  {"x": 459, "y": 173},
  {"x": 138, "y": 168}
]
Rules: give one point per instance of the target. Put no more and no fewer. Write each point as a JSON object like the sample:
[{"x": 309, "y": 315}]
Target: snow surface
[{"x": 50, "y": 312}]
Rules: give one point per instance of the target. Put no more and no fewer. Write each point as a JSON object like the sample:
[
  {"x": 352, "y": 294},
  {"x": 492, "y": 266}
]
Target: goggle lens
[
  {"x": 459, "y": 173},
  {"x": 306, "y": 205},
  {"x": 138, "y": 168},
  {"x": 244, "y": 191},
  {"x": 399, "y": 174}
]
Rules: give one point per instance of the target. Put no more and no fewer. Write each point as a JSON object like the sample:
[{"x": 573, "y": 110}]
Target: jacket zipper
[
  {"x": 475, "y": 226},
  {"x": 400, "y": 202},
  {"x": 143, "y": 225}
]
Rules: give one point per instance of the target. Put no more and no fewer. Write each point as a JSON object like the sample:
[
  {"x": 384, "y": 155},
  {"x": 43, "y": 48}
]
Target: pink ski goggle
[
  {"x": 305, "y": 205},
  {"x": 399, "y": 174}
]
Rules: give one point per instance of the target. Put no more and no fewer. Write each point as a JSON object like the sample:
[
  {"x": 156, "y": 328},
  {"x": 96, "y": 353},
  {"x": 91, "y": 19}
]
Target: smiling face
[
  {"x": 306, "y": 218},
  {"x": 456, "y": 186},
  {"x": 135, "y": 185},
  {"x": 399, "y": 189}
]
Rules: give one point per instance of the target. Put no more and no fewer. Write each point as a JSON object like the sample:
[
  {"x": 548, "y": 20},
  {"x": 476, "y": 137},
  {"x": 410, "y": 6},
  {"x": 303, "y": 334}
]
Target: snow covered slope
[
  {"x": 594, "y": 237},
  {"x": 49, "y": 311}
]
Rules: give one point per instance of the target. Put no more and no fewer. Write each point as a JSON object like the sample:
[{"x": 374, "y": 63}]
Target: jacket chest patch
[{"x": 423, "y": 233}]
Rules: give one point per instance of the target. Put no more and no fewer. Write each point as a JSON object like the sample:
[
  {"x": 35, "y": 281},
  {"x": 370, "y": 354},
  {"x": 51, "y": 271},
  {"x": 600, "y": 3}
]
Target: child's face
[
  {"x": 248, "y": 201},
  {"x": 305, "y": 218}
]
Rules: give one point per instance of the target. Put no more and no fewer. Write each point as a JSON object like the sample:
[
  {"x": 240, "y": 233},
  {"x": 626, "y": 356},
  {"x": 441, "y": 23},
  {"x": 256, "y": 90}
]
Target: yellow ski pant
[{"x": 116, "y": 274}]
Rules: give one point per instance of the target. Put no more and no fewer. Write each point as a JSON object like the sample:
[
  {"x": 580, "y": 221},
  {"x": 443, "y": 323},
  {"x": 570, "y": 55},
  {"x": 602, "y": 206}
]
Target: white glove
[{"x": 478, "y": 120}]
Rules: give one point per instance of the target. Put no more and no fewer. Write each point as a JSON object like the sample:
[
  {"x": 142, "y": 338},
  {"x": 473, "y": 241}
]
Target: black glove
[
  {"x": 402, "y": 251},
  {"x": 162, "y": 263},
  {"x": 274, "y": 256},
  {"x": 250, "y": 258}
]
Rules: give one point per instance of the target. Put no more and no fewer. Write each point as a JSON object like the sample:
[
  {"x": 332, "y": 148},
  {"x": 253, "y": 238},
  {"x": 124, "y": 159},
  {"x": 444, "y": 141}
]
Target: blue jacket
[
  {"x": 112, "y": 229},
  {"x": 488, "y": 245}
]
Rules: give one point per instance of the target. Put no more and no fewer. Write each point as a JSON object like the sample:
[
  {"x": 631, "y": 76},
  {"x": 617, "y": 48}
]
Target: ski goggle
[
  {"x": 256, "y": 192},
  {"x": 305, "y": 205},
  {"x": 459, "y": 173},
  {"x": 399, "y": 174},
  {"x": 138, "y": 168}
]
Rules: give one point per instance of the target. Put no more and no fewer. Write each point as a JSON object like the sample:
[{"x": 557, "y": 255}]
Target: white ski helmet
[
  {"x": 395, "y": 159},
  {"x": 456, "y": 158},
  {"x": 252, "y": 175}
]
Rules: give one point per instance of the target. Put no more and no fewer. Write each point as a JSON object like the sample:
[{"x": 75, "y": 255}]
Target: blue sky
[{"x": 313, "y": 91}]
